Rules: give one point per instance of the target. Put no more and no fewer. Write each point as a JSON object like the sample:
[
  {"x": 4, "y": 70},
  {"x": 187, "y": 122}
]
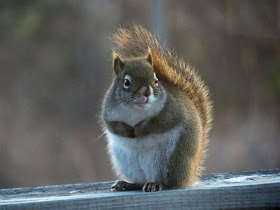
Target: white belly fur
[{"x": 146, "y": 159}]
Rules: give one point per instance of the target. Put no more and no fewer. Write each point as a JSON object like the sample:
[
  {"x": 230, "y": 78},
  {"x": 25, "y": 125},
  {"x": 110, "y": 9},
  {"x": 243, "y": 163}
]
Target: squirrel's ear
[
  {"x": 149, "y": 57},
  {"x": 117, "y": 63}
]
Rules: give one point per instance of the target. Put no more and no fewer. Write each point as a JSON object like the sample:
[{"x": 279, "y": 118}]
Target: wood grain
[{"x": 256, "y": 189}]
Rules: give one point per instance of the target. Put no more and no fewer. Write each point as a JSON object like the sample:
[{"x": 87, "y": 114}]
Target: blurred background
[{"x": 55, "y": 66}]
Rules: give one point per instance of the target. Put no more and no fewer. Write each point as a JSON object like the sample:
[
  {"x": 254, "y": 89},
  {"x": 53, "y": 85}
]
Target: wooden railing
[{"x": 256, "y": 189}]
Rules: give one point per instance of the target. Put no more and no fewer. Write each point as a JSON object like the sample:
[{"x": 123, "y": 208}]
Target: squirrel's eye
[
  {"x": 127, "y": 81},
  {"x": 156, "y": 80}
]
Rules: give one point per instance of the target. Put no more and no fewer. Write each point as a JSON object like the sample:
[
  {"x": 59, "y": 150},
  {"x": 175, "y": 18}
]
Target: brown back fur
[{"x": 135, "y": 41}]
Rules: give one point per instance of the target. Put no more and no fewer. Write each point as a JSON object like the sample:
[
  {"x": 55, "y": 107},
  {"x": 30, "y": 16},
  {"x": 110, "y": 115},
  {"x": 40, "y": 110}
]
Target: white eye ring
[{"x": 127, "y": 81}]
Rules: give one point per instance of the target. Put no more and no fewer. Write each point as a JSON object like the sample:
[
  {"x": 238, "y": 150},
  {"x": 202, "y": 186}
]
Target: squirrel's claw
[{"x": 152, "y": 186}]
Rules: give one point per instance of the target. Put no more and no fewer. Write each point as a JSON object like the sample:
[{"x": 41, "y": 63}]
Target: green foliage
[
  {"x": 30, "y": 23},
  {"x": 273, "y": 78}
]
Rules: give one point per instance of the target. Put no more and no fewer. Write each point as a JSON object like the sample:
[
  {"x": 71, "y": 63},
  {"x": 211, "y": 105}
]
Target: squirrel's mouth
[{"x": 142, "y": 101}]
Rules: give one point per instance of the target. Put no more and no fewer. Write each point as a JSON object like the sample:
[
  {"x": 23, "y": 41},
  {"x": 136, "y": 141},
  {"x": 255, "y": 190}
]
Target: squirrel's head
[{"x": 135, "y": 81}]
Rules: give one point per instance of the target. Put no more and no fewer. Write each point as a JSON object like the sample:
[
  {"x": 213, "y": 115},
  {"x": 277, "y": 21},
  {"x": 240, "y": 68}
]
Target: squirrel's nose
[{"x": 146, "y": 91}]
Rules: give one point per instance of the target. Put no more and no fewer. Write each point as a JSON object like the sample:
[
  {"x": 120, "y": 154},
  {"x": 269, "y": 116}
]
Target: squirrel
[{"x": 157, "y": 115}]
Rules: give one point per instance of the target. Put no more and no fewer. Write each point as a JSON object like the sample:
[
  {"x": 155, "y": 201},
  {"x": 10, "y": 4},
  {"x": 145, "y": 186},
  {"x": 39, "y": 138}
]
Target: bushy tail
[{"x": 135, "y": 40}]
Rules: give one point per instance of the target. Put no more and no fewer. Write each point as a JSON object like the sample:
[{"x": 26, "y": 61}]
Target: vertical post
[
  {"x": 278, "y": 16},
  {"x": 158, "y": 20}
]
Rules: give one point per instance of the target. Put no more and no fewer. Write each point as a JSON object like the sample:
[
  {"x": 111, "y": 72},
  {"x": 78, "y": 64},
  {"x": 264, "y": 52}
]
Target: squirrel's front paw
[
  {"x": 119, "y": 186},
  {"x": 152, "y": 186},
  {"x": 123, "y": 186}
]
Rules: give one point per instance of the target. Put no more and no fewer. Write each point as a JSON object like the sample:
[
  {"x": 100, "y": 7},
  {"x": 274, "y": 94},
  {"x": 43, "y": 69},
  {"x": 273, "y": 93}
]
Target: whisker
[
  {"x": 99, "y": 136},
  {"x": 123, "y": 100}
]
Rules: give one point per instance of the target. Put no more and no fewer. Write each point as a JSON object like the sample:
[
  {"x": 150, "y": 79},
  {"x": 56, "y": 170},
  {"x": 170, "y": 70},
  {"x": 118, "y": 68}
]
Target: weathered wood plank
[{"x": 215, "y": 191}]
